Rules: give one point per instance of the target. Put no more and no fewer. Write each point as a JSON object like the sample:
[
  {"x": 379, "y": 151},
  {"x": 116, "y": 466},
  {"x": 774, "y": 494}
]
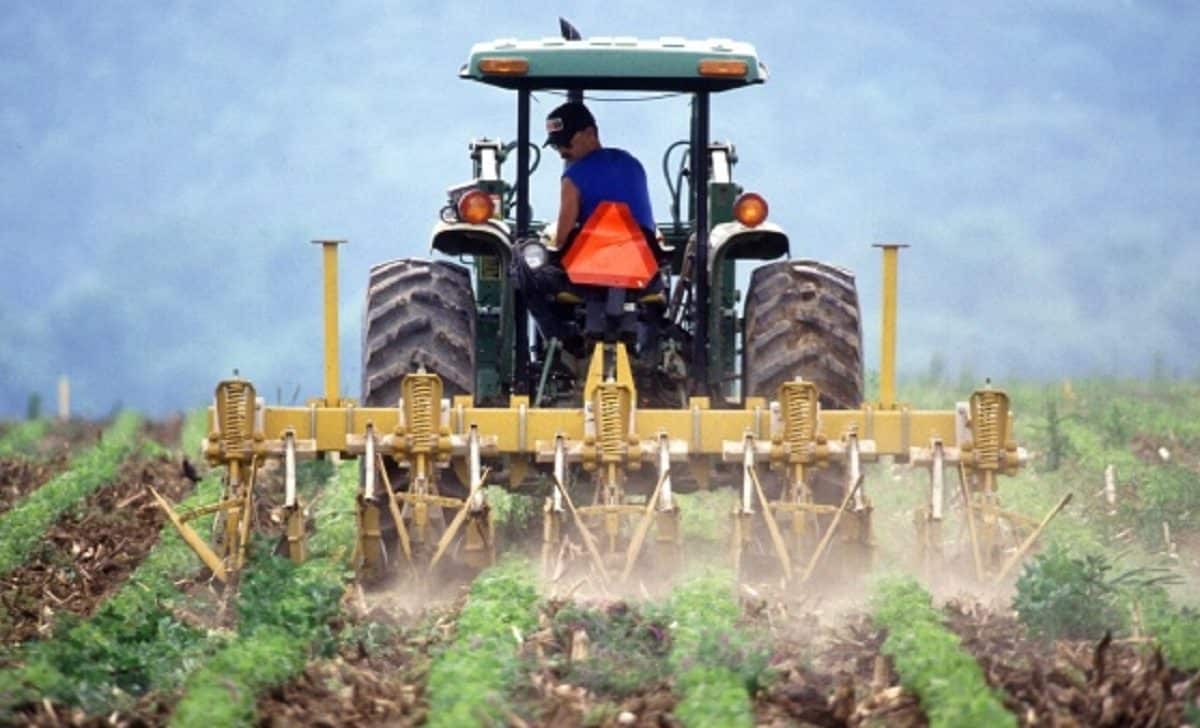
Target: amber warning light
[
  {"x": 723, "y": 67},
  {"x": 750, "y": 209},
  {"x": 475, "y": 207},
  {"x": 504, "y": 66}
]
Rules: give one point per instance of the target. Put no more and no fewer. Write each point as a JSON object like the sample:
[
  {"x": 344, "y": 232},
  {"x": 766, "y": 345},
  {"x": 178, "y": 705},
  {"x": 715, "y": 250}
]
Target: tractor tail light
[
  {"x": 476, "y": 207},
  {"x": 750, "y": 209},
  {"x": 504, "y": 66},
  {"x": 723, "y": 67}
]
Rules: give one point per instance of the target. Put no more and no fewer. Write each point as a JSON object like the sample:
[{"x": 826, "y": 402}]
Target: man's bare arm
[{"x": 568, "y": 212}]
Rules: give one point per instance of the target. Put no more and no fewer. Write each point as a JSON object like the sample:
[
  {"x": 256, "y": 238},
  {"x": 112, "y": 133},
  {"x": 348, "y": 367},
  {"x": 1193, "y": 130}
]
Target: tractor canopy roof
[{"x": 620, "y": 63}]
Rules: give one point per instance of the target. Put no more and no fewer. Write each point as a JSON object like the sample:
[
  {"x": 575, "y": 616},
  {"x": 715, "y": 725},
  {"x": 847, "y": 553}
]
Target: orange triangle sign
[{"x": 611, "y": 250}]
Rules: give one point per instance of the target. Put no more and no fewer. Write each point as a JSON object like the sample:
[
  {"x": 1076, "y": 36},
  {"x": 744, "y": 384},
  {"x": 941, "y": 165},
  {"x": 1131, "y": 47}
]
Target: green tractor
[
  {"x": 662, "y": 382},
  {"x": 686, "y": 338}
]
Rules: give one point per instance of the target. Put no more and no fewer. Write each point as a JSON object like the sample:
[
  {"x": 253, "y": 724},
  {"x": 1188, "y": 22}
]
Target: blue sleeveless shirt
[{"x": 611, "y": 175}]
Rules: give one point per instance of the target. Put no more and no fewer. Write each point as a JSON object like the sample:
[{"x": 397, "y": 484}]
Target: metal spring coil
[
  {"x": 799, "y": 425},
  {"x": 234, "y": 432},
  {"x": 986, "y": 426},
  {"x": 612, "y": 434},
  {"x": 420, "y": 413}
]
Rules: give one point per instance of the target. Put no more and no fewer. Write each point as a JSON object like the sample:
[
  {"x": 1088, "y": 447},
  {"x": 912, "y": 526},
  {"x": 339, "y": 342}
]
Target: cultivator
[
  {"x": 644, "y": 377},
  {"x": 616, "y": 444}
]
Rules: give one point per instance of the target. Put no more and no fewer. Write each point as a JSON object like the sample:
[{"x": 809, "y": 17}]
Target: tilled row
[
  {"x": 87, "y": 555},
  {"x": 1105, "y": 683},
  {"x": 27, "y": 465},
  {"x": 835, "y": 677},
  {"x": 604, "y": 663},
  {"x": 20, "y": 476}
]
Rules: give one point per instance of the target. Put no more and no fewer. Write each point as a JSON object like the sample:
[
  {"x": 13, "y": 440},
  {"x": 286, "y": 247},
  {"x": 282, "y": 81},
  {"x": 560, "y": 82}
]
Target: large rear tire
[
  {"x": 419, "y": 313},
  {"x": 802, "y": 321}
]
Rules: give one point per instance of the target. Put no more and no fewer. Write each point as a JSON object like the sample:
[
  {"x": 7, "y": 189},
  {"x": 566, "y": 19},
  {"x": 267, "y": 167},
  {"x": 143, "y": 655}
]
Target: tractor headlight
[{"x": 534, "y": 254}]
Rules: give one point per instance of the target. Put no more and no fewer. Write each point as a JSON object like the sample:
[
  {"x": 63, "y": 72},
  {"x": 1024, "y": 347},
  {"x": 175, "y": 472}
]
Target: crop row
[
  {"x": 716, "y": 665},
  {"x": 930, "y": 660},
  {"x": 146, "y": 637},
  {"x": 23, "y": 525},
  {"x": 22, "y": 437},
  {"x": 469, "y": 681},
  {"x": 132, "y": 644},
  {"x": 284, "y": 612}
]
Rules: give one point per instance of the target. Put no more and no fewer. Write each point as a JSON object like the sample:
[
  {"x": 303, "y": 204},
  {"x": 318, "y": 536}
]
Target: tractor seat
[
  {"x": 653, "y": 298},
  {"x": 567, "y": 297}
]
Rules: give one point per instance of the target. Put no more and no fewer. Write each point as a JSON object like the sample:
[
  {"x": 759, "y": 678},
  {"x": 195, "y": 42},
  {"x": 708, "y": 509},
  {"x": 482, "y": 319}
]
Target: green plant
[
  {"x": 1062, "y": 595},
  {"x": 512, "y": 513},
  {"x": 931, "y": 662},
  {"x": 469, "y": 681},
  {"x": 33, "y": 406},
  {"x": 21, "y": 437},
  {"x": 1056, "y": 444},
  {"x": 1175, "y": 630},
  {"x": 628, "y": 648},
  {"x": 716, "y": 665},
  {"x": 193, "y": 433}
]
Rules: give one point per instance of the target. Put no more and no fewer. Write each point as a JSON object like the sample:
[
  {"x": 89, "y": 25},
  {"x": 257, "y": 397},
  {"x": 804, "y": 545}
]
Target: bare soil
[
  {"x": 834, "y": 677},
  {"x": 20, "y": 476},
  {"x": 1105, "y": 683},
  {"x": 370, "y": 682},
  {"x": 69, "y": 436}
]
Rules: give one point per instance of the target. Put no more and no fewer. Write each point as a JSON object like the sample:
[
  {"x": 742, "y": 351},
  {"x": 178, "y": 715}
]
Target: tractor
[{"x": 666, "y": 383}]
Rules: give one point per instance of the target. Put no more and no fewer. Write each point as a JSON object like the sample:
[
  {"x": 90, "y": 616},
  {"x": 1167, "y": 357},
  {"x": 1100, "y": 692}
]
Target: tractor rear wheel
[
  {"x": 419, "y": 313},
  {"x": 802, "y": 321}
]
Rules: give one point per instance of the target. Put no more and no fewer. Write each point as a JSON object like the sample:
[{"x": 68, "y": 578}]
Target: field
[{"x": 107, "y": 618}]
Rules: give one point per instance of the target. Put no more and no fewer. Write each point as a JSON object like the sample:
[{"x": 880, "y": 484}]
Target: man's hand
[{"x": 568, "y": 212}]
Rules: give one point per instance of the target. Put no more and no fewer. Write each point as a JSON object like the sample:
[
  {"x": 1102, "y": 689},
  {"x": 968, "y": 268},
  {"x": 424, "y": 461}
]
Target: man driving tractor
[{"x": 593, "y": 174}]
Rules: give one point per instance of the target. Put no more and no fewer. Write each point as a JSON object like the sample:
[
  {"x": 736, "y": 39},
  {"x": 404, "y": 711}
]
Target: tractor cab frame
[{"x": 703, "y": 234}]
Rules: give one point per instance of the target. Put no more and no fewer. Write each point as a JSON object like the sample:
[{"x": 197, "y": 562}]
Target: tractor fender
[
  {"x": 735, "y": 241},
  {"x": 493, "y": 237}
]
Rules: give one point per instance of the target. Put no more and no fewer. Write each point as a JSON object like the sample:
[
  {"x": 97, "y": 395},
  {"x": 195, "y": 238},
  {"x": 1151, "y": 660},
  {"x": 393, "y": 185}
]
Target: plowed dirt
[
  {"x": 1105, "y": 683},
  {"x": 20, "y": 476},
  {"x": 833, "y": 676},
  {"x": 371, "y": 682}
]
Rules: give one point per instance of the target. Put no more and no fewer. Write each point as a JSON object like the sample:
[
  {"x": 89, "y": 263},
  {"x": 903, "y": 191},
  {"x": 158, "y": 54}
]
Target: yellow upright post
[
  {"x": 332, "y": 365},
  {"x": 887, "y": 353}
]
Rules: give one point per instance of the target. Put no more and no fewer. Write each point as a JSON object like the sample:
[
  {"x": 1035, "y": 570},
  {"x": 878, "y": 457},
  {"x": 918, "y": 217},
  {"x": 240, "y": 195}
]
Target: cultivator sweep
[{"x": 611, "y": 441}]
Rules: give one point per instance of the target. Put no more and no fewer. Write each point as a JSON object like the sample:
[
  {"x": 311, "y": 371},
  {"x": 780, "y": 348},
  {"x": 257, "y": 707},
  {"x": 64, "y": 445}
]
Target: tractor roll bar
[
  {"x": 700, "y": 190},
  {"x": 521, "y": 365}
]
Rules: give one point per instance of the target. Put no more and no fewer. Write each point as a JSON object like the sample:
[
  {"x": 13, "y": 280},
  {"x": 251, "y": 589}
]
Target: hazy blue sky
[{"x": 164, "y": 165}]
